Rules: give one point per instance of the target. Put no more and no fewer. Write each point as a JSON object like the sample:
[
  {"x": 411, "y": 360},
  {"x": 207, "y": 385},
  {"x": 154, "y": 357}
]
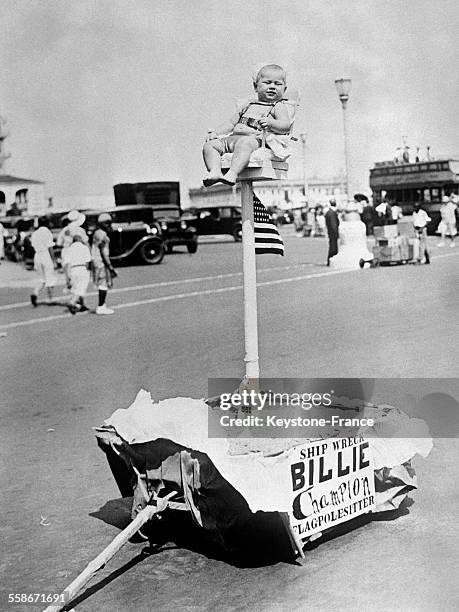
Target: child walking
[{"x": 78, "y": 258}]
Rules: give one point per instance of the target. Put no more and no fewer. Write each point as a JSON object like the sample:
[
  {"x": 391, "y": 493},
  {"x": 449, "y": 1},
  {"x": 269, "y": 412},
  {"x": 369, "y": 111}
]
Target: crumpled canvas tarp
[
  {"x": 153, "y": 446},
  {"x": 162, "y": 465}
]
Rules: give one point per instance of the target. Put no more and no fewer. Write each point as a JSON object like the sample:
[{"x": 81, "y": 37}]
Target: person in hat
[
  {"x": 78, "y": 260},
  {"x": 369, "y": 217},
  {"x": 243, "y": 134},
  {"x": 71, "y": 225},
  {"x": 332, "y": 224},
  {"x": 352, "y": 242},
  {"x": 447, "y": 224},
  {"x": 420, "y": 221},
  {"x": 44, "y": 261},
  {"x": 103, "y": 271}
]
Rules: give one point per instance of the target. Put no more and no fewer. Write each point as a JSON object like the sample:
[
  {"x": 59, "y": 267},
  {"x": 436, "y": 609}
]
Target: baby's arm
[
  {"x": 279, "y": 122},
  {"x": 224, "y": 128}
]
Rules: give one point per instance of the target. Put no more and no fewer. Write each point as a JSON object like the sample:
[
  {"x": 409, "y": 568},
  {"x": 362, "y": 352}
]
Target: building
[
  {"x": 20, "y": 195},
  {"x": 81, "y": 202},
  {"x": 284, "y": 194}
]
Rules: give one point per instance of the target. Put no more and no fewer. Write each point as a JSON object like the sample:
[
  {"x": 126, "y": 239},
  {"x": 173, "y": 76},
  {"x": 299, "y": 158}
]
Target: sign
[{"x": 332, "y": 481}]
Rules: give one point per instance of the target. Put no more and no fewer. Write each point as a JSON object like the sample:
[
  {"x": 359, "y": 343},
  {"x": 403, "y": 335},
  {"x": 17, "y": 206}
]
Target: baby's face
[{"x": 270, "y": 86}]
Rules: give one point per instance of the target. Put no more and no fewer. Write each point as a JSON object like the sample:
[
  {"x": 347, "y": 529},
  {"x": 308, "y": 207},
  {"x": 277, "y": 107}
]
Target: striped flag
[{"x": 267, "y": 238}]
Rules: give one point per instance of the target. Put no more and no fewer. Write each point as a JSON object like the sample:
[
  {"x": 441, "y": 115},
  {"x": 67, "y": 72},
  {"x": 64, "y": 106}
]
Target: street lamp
[
  {"x": 305, "y": 174},
  {"x": 343, "y": 87}
]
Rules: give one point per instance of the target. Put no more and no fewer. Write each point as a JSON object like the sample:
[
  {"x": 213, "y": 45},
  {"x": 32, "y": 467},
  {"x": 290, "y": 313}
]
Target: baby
[{"x": 246, "y": 128}]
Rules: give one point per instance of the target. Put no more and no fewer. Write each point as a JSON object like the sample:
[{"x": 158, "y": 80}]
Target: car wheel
[
  {"x": 237, "y": 233},
  {"x": 151, "y": 252},
  {"x": 192, "y": 247}
]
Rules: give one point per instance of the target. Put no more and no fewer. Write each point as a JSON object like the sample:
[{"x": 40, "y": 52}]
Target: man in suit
[
  {"x": 332, "y": 223},
  {"x": 369, "y": 216}
]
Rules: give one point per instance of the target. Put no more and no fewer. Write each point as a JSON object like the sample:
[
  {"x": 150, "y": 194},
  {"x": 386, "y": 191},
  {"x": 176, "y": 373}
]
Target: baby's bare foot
[
  {"x": 211, "y": 179},
  {"x": 229, "y": 178}
]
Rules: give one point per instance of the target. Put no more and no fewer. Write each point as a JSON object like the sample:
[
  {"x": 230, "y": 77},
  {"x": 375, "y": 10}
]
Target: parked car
[
  {"x": 134, "y": 234},
  {"x": 215, "y": 220},
  {"x": 9, "y": 236},
  {"x": 17, "y": 238},
  {"x": 285, "y": 217},
  {"x": 18, "y": 246},
  {"x": 164, "y": 199},
  {"x": 174, "y": 230}
]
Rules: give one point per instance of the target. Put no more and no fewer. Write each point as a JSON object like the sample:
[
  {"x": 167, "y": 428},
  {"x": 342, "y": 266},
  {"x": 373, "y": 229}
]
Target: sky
[{"x": 98, "y": 92}]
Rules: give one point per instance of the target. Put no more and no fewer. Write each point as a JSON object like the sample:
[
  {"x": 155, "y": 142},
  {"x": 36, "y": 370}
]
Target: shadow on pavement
[
  {"x": 110, "y": 578},
  {"x": 261, "y": 543},
  {"x": 360, "y": 521}
]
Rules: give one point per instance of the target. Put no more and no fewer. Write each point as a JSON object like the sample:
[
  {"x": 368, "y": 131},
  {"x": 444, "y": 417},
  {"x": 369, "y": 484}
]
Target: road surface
[{"x": 176, "y": 325}]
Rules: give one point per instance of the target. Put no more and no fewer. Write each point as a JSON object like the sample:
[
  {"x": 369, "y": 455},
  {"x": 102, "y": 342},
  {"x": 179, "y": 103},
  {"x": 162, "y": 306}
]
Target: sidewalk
[{"x": 15, "y": 276}]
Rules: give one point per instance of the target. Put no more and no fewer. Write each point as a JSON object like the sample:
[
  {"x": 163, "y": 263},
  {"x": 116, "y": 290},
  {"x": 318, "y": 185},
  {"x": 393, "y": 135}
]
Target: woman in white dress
[{"x": 352, "y": 243}]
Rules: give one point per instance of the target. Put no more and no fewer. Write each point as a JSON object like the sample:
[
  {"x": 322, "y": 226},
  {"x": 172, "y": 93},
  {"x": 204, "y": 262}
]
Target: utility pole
[{"x": 303, "y": 137}]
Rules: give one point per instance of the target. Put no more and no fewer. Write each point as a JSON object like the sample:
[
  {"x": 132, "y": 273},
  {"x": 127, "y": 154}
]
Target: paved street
[{"x": 175, "y": 325}]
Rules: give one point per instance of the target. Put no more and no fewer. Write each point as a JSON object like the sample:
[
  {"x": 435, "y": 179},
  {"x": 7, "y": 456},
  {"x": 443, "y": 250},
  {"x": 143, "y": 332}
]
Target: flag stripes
[{"x": 267, "y": 238}]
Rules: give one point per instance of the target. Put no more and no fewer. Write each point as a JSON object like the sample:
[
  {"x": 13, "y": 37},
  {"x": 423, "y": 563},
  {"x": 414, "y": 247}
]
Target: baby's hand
[
  {"x": 265, "y": 122},
  {"x": 211, "y": 135}
]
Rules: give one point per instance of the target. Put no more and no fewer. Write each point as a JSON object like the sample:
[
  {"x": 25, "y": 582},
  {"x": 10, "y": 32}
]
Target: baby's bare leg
[
  {"x": 243, "y": 149},
  {"x": 212, "y": 153}
]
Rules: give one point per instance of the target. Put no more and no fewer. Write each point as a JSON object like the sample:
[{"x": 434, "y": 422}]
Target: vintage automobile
[
  {"x": 9, "y": 236},
  {"x": 164, "y": 200},
  {"x": 175, "y": 230},
  {"x": 135, "y": 234},
  {"x": 17, "y": 238},
  {"x": 18, "y": 247},
  {"x": 212, "y": 220}
]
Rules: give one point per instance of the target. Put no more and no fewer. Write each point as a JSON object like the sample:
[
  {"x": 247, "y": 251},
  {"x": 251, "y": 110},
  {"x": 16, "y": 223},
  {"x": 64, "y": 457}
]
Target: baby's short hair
[{"x": 260, "y": 67}]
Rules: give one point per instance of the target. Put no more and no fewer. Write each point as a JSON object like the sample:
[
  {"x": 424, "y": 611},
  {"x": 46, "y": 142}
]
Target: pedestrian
[
  {"x": 78, "y": 260},
  {"x": 103, "y": 271},
  {"x": 320, "y": 226},
  {"x": 368, "y": 217},
  {"x": 71, "y": 225},
  {"x": 64, "y": 240},
  {"x": 396, "y": 212},
  {"x": 353, "y": 244},
  {"x": 332, "y": 224},
  {"x": 420, "y": 221},
  {"x": 44, "y": 260},
  {"x": 383, "y": 213},
  {"x": 447, "y": 224},
  {"x": 2, "y": 241}
]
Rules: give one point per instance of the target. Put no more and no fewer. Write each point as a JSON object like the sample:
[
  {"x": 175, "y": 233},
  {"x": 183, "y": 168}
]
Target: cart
[
  {"x": 395, "y": 245},
  {"x": 263, "y": 503}
]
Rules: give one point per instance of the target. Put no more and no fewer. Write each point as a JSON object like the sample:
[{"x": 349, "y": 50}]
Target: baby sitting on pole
[{"x": 266, "y": 116}]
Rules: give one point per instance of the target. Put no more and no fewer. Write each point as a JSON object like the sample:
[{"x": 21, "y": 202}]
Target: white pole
[
  {"x": 249, "y": 268},
  {"x": 305, "y": 171},
  {"x": 346, "y": 149},
  {"x": 96, "y": 564}
]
